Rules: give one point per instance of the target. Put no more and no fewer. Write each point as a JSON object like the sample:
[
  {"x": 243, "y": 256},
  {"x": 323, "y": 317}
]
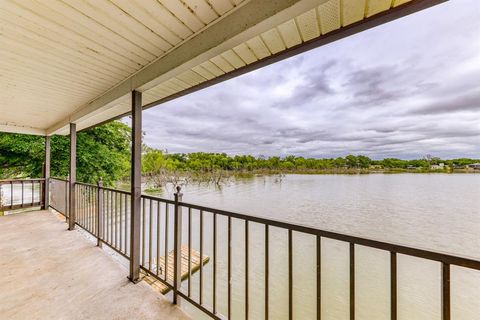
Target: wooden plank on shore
[{"x": 195, "y": 266}]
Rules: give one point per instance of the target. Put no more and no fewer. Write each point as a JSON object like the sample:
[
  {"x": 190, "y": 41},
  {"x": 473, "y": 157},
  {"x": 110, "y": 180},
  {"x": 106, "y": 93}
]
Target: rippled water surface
[{"x": 433, "y": 211}]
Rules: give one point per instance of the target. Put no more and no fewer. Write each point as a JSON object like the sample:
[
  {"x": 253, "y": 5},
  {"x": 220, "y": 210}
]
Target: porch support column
[
  {"x": 136, "y": 191},
  {"x": 46, "y": 175},
  {"x": 73, "y": 175}
]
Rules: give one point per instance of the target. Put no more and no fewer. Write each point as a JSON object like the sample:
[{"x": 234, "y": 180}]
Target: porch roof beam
[
  {"x": 254, "y": 17},
  {"x": 20, "y": 129}
]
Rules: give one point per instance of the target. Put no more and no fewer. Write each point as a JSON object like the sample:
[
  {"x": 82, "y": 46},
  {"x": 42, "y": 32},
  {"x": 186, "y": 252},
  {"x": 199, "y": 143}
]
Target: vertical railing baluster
[
  {"x": 120, "y": 212},
  {"x": 158, "y": 237},
  {"x": 189, "y": 252},
  {"x": 66, "y": 201},
  {"x": 201, "y": 257},
  {"x": 126, "y": 224},
  {"x": 266, "y": 272},
  {"x": 89, "y": 206},
  {"x": 214, "y": 263},
  {"x": 116, "y": 220},
  {"x": 319, "y": 278},
  {"x": 112, "y": 212},
  {"x": 290, "y": 275},
  {"x": 446, "y": 313},
  {"x": 80, "y": 204},
  {"x": 118, "y": 202},
  {"x": 143, "y": 233},
  {"x": 23, "y": 185},
  {"x": 95, "y": 201},
  {"x": 85, "y": 207},
  {"x": 11, "y": 195},
  {"x": 166, "y": 242},
  {"x": 229, "y": 266},
  {"x": 352, "y": 281},
  {"x": 393, "y": 286},
  {"x": 246, "y": 269},
  {"x": 107, "y": 215},
  {"x": 150, "y": 243},
  {"x": 33, "y": 194},
  {"x": 99, "y": 213},
  {"x": 177, "y": 247}
]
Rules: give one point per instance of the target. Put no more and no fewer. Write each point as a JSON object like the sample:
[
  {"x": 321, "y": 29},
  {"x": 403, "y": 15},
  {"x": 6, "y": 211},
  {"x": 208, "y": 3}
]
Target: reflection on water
[{"x": 432, "y": 211}]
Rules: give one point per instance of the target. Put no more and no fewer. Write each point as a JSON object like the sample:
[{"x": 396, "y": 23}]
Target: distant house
[
  {"x": 474, "y": 166},
  {"x": 439, "y": 166}
]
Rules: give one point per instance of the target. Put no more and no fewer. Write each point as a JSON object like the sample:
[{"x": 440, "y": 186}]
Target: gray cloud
[{"x": 403, "y": 89}]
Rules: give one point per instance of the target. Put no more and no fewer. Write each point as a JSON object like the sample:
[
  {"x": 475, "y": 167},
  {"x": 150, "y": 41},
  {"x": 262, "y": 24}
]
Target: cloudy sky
[{"x": 404, "y": 89}]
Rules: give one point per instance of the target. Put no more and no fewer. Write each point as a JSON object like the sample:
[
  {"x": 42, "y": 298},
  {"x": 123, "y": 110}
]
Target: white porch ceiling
[{"x": 78, "y": 60}]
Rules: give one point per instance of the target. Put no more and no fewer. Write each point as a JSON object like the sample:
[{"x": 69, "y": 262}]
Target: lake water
[{"x": 439, "y": 212}]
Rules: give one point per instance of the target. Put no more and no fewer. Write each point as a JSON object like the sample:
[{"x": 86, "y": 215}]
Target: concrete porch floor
[{"x": 47, "y": 272}]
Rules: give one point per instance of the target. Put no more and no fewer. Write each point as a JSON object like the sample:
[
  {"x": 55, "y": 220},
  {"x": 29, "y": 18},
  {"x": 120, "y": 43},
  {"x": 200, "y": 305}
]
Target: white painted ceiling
[{"x": 77, "y": 60}]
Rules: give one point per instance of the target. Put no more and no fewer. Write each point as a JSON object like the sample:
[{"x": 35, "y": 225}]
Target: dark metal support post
[
  {"x": 99, "y": 213},
  {"x": 46, "y": 175},
  {"x": 446, "y": 313},
  {"x": 136, "y": 180},
  {"x": 72, "y": 176},
  {"x": 177, "y": 247}
]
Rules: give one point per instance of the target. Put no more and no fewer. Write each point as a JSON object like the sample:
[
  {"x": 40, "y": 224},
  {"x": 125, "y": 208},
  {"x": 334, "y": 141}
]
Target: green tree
[{"x": 103, "y": 153}]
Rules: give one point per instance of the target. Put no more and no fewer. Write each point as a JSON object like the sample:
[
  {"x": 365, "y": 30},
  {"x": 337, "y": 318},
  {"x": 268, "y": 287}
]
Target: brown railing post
[
  {"x": 73, "y": 176},
  {"x": 136, "y": 187},
  {"x": 177, "y": 247},
  {"x": 99, "y": 213},
  {"x": 46, "y": 175}
]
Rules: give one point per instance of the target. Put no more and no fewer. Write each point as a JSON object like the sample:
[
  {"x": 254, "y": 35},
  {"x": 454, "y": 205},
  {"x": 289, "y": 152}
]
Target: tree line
[
  {"x": 204, "y": 162},
  {"x": 103, "y": 153}
]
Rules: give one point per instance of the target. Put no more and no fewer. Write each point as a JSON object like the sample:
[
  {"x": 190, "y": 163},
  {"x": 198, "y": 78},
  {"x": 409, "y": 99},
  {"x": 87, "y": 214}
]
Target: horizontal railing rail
[
  {"x": 397, "y": 248},
  {"x": 21, "y": 193},
  {"x": 176, "y": 236}
]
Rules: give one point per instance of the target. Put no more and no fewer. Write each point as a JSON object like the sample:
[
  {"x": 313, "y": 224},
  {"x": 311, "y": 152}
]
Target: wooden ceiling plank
[
  {"x": 244, "y": 52},
  {"x": 45, "y": 68},
  {"x": 74, "y": 57},
  {"x": 233, "y": 59},
  {"x": 91, "y": 29},
  {"x": 177, "y": 8},
  {"x": 273, "y": 40},
  {"x": 100, "y": 17},
  {"x": 290, "y": 34},
  {"x": 161, "y": 13},
  {"x": 202, "y": 10},
  {"x": 377, "y": 6},
  {"x": 308, "y": 25},
  {"x": 203, "y": 72},
  {"x": 223, "y": 64},
  {"x": 126, "y": 20},
  {"x": 63, "y": 35},
  {"x": 329, "y": 16},
  {"x": 352, "y": 11},
  {"x": 142, "y": 16},
  {"x": 258, "y": 47},
  {"x": 221, "y": 6},
  {"x": 213, "y": 68}
]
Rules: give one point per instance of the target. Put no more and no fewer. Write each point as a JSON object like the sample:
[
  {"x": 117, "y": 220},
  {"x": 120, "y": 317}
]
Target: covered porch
[
  {"x": 81, "y": 64},
  {"x": 51, "y": 273}
]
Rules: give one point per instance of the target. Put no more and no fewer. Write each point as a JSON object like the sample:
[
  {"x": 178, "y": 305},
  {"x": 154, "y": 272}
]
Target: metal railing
[
  {"x": 167, "y": 225},
  {"x": 59, "y": 189},
  {"x": 21, "y": 193}
]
